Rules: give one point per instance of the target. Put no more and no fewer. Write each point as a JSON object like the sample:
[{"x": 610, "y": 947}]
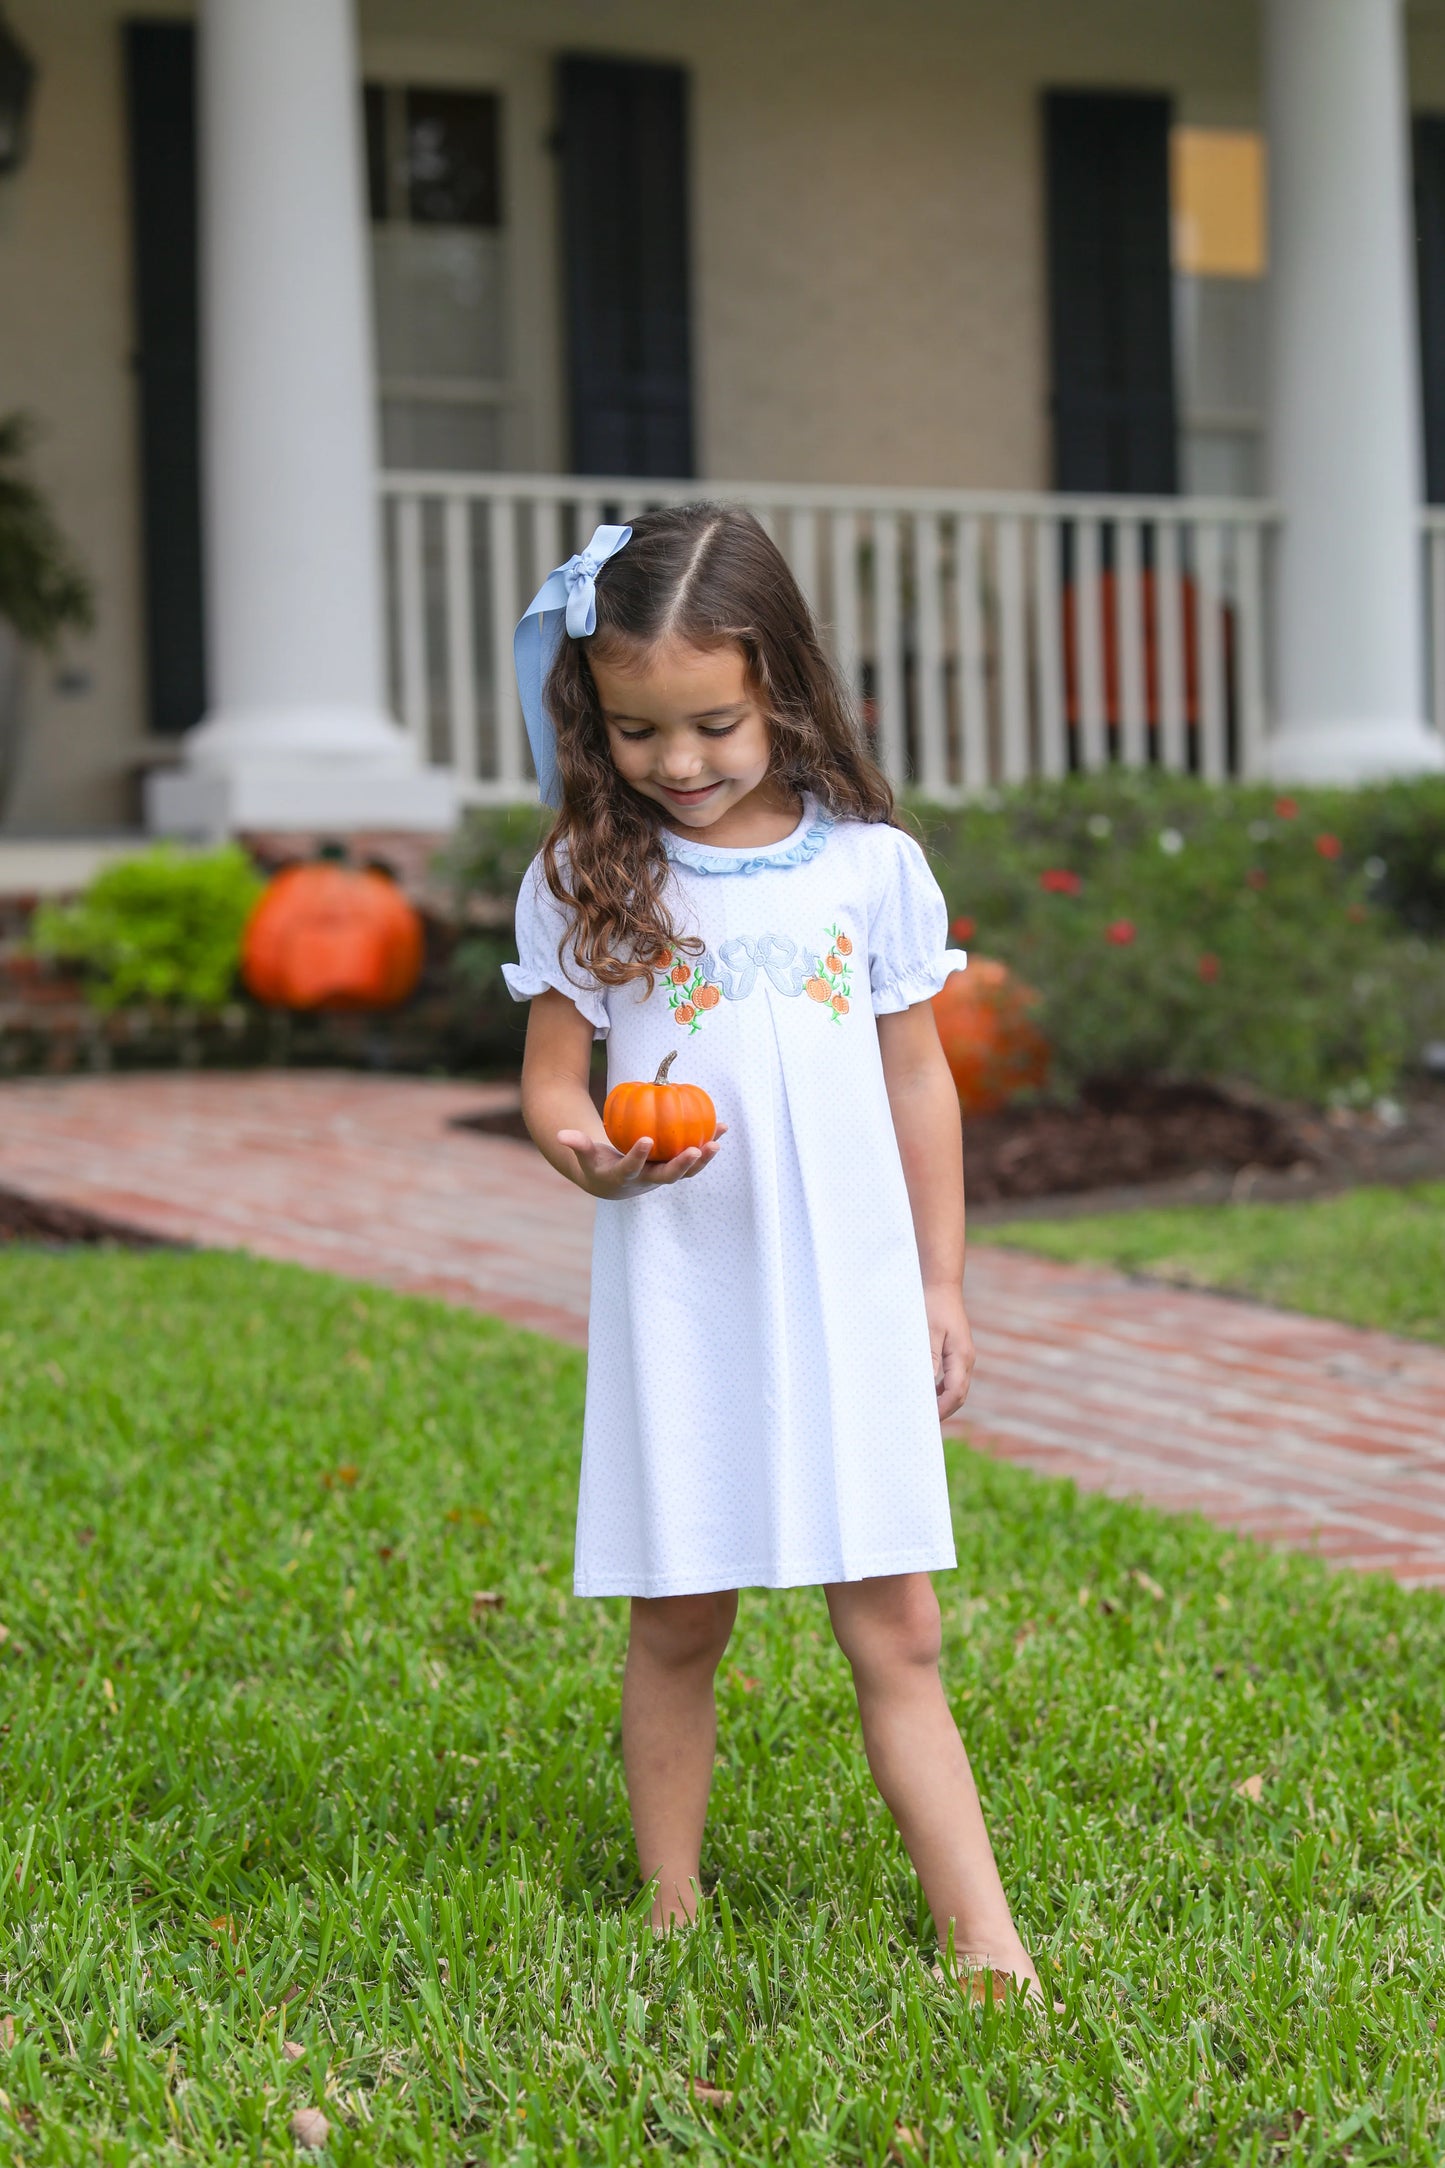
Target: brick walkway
[{"x": 1288, "y": 1428}]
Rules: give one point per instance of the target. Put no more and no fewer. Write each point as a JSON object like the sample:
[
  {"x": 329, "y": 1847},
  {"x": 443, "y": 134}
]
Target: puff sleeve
[
  {"x": 545, "y": 956},
  {"x": 908, "y": 953}
]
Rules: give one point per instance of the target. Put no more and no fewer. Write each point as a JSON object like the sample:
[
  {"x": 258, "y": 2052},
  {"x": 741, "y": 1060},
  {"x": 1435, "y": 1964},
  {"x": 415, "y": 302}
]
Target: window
[
  {"x": 439, "y": 261},
  {"x": 1220, "y": 251}
]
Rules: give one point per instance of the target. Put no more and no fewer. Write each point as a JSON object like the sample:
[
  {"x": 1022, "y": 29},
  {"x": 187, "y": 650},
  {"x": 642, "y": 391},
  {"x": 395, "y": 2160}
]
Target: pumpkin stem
[{"x": 667, "y": 1062}]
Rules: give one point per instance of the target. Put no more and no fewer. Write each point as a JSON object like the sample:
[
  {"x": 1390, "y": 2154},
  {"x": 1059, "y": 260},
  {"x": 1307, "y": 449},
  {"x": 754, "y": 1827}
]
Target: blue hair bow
[{"x": 568, "y": 595}]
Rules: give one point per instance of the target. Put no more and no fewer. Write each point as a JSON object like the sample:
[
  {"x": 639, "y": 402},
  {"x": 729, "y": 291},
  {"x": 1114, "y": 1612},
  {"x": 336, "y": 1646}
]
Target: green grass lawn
[
  {"x": 1371, "y": 1257},
  {"x": 268, "y": 1776}
]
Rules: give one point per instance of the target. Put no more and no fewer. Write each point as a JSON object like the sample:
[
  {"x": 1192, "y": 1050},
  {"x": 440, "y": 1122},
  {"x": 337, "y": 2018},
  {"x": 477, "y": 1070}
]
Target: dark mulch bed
[
  {"x": 1129, "y": 1133},
  {"x": 1123, "y": 1133},
  {"x": 28, "y": 1219}
]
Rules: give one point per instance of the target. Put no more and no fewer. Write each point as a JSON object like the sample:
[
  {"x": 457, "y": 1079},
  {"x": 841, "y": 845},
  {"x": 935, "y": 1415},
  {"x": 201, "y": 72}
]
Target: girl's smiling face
[{"x": 685, "y": 730}]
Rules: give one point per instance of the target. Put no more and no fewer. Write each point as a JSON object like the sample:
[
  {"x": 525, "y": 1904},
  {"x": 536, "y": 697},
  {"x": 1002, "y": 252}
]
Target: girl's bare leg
[
  {"x": 889, "y": 1630},
  {"x": 669, "y": 1731}
]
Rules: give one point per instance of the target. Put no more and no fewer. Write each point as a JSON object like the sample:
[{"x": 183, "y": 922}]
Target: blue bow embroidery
[{"x": 567, "y": 595}]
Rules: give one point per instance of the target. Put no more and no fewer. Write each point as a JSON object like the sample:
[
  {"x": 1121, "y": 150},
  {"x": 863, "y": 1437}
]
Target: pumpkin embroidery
[
  {"x": 690, "y": 992},
  {"x": 831, "y": 982},
  {"x": 743, "y": 961}
]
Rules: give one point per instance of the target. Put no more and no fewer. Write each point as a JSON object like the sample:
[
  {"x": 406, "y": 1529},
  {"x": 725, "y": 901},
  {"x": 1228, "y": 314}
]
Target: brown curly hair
[{"x": 710, "y": 575}]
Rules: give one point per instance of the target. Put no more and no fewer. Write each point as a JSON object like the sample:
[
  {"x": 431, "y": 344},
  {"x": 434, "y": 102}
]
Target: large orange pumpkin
[
  {"x": 993, "y": 1047},
  {"x": 673, "y": 1115},
  {"x": 327, "y": 936}
]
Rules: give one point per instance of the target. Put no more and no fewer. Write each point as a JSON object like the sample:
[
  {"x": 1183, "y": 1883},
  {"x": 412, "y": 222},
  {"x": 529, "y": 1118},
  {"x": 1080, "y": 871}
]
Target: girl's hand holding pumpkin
[
  {"x": 605, "y": 1172},
  {"x": 613, "y": 1157}
]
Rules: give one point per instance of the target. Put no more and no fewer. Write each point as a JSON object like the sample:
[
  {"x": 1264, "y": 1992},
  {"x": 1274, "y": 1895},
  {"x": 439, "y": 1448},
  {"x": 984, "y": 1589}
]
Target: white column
[
  {"x": 1344, "y": 426},
  {"x": 297, "y": 735}
]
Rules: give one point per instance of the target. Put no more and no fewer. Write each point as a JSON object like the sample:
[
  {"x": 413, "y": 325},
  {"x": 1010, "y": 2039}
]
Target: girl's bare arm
[
  {"x": 564, "y": 1124},
  {"x": 924, "y": 1105}
]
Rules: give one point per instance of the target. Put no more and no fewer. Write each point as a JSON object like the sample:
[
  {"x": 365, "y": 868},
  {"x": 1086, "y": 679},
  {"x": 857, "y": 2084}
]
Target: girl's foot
[{"x": 1012, "y": 1972}]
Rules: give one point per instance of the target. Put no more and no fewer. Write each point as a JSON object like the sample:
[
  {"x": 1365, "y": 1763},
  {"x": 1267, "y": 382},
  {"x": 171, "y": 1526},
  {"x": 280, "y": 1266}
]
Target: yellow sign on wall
[{"x": 1218, "y": 202}]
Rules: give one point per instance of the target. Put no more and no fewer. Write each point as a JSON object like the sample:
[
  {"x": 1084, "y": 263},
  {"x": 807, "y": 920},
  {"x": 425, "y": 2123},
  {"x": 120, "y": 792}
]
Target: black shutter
[
  {"x": 625, "y": 248},
  {"x": 160, "y": 66},
  {"x": 1430, "y": 263},
  {"x": 1111, "y": 342}
]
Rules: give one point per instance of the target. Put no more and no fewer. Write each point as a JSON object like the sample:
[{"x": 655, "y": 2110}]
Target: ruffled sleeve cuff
[
  {"x": 545, "y": 959},
  {"x": 525, "y": 980},
  {"x": 908, "y": 987}
]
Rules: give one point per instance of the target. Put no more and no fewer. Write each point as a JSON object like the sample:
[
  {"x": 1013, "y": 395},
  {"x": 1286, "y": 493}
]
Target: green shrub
[
  {"x": 43, "y": 587},
  {"x": 484, "y": 865},
  {"x": 1235, "y": 933},
  {"x": 162, "y": 927},
  {"x": 492, "y": 849},
  {"x": 1397, "y": 832}
]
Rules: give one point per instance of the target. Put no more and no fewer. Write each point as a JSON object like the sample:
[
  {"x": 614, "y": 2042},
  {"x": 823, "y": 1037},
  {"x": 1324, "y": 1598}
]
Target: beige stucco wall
[{"x": 868, "y": 253}]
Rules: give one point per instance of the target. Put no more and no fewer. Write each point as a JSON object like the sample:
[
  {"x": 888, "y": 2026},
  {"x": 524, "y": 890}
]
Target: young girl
[{"x": 724, "y": 879}]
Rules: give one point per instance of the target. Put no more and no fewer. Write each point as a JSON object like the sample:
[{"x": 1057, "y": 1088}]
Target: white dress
[{"x": 760, "y": 1395}]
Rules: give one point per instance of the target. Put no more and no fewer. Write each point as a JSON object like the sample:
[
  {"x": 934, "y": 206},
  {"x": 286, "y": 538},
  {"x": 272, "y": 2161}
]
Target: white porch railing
[{"x": 990, "y": 638}]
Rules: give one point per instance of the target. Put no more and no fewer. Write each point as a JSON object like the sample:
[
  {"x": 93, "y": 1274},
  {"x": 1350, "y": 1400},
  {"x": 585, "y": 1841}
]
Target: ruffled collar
[{"x": 805, "y": 842}]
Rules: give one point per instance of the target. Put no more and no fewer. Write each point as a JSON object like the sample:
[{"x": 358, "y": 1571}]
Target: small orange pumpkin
[
  {"x": 673, "y": 1115},
  {"x": 328, "y": 936},
  {"x": 993, "y": 1047}
]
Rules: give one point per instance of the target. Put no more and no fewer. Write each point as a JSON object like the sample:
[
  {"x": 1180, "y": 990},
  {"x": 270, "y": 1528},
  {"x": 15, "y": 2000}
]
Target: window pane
[
  {"x": 1220, "y": 463},
  {"x": 440, "y": 302},
  {"x": 1219, "y": 342},
  {"x": 454, "y": 439},
  {"x": 1218, "y": 186},
  {"x": 452, "y": 165}
]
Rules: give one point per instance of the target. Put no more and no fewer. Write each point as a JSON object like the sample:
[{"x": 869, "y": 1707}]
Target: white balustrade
[{"x": 986, "y": 638}]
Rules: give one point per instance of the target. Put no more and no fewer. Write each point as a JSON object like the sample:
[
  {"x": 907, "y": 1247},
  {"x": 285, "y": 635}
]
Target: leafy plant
[
  {"x": 491, "y": 851},
  {"x": 1396, "y": 835},
  {"x": 164, "y": 926},
  {"x": 43, "y": 587},
  {"x": 1239, "y": 934},
  {"x": 483, "y": 866}
]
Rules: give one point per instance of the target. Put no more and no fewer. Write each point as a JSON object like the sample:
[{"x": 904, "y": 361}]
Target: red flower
[
  {"x": 1328, "y": 846},
  {"x": 1257, "y": 877},
  {"x": 1357, "y": 912},
  {"x": 1209, "y": 969},
  {"x": 962, "y": 929},
  {"x": 1060, "y": 882},
  {"x": 1286, "y": 809},
  {"x": 1121, "y": 932}
]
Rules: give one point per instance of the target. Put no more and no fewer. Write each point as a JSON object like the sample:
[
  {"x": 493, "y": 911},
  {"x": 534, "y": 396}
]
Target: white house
[{"x": 1091, "y": 442}]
